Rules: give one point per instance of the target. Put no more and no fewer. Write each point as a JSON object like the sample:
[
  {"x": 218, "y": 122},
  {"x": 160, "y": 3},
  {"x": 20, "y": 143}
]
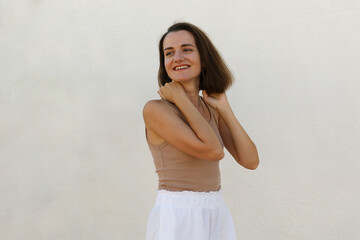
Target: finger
[
  {"x": 171, "y": 84},
  {"x": 161, "y": 95}
]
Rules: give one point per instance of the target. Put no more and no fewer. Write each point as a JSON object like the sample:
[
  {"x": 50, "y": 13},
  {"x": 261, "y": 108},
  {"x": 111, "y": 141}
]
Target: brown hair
[{"x": 215, "y": 75}]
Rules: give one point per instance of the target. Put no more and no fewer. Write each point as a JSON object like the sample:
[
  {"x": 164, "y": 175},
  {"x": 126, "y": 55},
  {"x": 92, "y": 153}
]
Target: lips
[{"x": 181, "y": 67}]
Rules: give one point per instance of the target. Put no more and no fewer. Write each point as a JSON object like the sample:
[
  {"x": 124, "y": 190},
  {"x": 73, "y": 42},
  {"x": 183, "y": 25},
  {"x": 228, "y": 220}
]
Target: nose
[{"x": 178, "y": 56}]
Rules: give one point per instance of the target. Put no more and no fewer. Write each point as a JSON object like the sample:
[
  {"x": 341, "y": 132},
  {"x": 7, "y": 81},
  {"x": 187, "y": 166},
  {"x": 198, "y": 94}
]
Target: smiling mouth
[{"x": 181, "y": 67}]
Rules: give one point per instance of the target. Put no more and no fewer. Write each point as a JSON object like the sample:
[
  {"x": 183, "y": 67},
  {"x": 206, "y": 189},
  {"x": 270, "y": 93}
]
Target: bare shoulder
[
  {"x": 158, "y": 109},
  {"x": 151, "y": 104},
  {"x": 156, "y": 105},
  {"x": 150, "y": 107}
]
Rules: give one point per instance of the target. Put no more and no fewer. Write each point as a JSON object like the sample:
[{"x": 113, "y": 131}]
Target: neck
[{"x": 192, "y": 91}]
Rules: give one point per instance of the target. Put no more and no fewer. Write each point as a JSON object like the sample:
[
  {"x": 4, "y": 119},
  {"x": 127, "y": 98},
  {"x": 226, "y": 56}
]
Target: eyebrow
[{"x": 183, "y": 45}]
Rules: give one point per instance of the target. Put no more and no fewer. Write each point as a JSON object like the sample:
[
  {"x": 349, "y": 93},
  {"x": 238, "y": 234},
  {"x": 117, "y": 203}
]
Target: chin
[
  {"x": 178, "y": 80},
  {"x": 182, "y": 79}
]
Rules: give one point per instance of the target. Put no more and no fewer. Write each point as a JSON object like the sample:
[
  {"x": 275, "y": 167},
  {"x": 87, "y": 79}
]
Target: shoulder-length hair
[{"x": 215, "y": 75}]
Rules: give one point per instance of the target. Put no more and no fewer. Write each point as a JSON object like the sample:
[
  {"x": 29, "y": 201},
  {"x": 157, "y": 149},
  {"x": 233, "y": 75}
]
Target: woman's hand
[
  {"x": 172, "y": 91},
  {"x": 216, "y": 100}
]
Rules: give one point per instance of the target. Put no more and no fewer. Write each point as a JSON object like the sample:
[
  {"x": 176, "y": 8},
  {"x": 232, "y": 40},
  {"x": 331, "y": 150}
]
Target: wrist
[
  {"x": 223, "y": 107},
  {"x": 180, "y": 99}
]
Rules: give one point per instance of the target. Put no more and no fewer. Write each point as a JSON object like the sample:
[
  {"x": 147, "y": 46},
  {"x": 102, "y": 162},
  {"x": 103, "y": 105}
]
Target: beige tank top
[{"x": 179, "y": 171}]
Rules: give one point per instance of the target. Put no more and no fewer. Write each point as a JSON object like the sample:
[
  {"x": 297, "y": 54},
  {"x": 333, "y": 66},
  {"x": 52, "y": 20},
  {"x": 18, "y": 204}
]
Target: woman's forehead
[{"x": 178, "y": 38}]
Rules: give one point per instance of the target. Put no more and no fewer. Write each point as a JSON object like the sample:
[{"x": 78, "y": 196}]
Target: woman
[{"x": 186, "y": 134}]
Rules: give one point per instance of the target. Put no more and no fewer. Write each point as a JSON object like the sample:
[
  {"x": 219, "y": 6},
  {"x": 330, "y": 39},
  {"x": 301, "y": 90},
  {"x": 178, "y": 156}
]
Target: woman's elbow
[
  {"x": 253, "y": 165},
  {"x": 249, "y": 162},
  {"x": 253, "y": 162},
  {"x": 216, "y": 155}
]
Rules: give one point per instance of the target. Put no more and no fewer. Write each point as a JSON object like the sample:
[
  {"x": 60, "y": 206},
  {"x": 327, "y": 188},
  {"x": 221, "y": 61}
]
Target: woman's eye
[
  {"x": 187, "y": 49},
  {"x": 168, "y": 53}
]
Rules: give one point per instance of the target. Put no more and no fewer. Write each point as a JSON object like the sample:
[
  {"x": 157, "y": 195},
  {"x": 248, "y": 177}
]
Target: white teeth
[{"x": 181, "y": 67}]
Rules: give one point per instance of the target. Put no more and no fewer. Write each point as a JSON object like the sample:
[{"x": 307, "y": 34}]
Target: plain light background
[{"x": 75, "y": 76}]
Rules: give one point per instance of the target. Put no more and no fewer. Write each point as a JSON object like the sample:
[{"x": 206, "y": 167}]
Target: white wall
[{"x": 75, "y": 75}]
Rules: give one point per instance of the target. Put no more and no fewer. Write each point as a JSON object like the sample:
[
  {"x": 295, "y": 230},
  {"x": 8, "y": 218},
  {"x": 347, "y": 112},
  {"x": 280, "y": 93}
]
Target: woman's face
[{"x": 182, "y": 58}]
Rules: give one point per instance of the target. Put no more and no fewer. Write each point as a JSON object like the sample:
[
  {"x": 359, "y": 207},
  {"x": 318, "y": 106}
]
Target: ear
[{"x": 205, "y": 95}]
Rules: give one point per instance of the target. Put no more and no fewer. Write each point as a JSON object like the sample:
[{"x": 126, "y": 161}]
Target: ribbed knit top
[{"x": 179, "y": 171}]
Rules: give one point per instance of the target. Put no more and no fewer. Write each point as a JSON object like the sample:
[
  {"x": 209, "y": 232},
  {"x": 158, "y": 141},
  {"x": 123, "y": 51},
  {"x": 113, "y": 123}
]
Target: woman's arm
[
  {"x": 235, "y": 139},
  {"x": 198, "y": 139}
]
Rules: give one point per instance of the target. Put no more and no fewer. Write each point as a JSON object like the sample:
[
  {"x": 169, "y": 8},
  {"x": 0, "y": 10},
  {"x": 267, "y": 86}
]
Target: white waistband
[{"x": 189, "y": 199}]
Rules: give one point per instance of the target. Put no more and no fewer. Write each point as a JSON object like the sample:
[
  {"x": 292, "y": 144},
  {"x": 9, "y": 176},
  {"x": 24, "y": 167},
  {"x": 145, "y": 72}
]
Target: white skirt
[{"x": 190, "y": 216}]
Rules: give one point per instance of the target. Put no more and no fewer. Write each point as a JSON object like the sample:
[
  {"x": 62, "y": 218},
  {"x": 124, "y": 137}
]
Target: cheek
[{"x": 167, "y": 66}]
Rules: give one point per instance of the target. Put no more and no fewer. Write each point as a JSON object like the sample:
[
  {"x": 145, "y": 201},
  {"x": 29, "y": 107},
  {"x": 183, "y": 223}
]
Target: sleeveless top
[{"x": 179, "y": 171}]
